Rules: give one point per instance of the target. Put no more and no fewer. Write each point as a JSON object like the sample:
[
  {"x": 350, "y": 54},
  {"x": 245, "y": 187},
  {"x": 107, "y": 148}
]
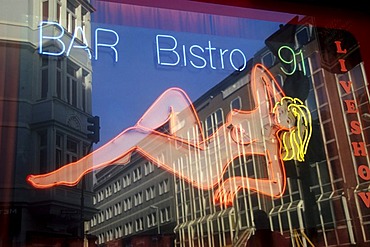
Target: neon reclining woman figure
[{"x": 278, "y": 128}]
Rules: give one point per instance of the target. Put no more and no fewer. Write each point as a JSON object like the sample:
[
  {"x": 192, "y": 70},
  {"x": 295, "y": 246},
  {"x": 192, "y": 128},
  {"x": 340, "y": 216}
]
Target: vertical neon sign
[{"x": 359, "y": 148}]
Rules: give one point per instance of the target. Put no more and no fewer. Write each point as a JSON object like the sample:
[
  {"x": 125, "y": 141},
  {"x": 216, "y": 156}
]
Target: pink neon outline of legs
[{"x": 118, "y": 150}]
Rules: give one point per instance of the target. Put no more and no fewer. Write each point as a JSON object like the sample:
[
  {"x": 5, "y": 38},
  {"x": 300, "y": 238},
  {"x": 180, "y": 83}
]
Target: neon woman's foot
[{"x": 49, "y": 180}]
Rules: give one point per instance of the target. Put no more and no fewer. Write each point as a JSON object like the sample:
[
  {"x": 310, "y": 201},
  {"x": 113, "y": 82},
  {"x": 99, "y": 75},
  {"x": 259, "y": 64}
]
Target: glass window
[
  {"x": 148, "y": 168},
  {"x": 43, "y": 155},
  {"x": 151, "y": 219},
  {"x": 128, "y": 228},
  {"x": 127, "y": 204},
  {"x": 139, "y": 224},
  {"x": 59, "y": 79},
  {"x": 236, "y": 104},
  {"x": 45, "y": 10},
  {"x": 303, "y": 37},
  {"x": 58, "y": 150},
  {"x": 71, "y": 84},
  {"x": 126, "y": 180},
  {"x": 279, "y": 80},
  {"x": 72, "y": 150},
  {"x": 44, "y": 77},
  {"x": 163, "y": 187},
  {"x": 137, "y": 174},
  {"x": 150, "y": 193},
  {"x": 59, "y": 11},
  {"x": 71, "y": 17},
  {"x": 268, "y": 59},
  {"x": 213, "y": 121},
  {"x": 138, "y": 199},
  {"x": 165, "y": 214}
]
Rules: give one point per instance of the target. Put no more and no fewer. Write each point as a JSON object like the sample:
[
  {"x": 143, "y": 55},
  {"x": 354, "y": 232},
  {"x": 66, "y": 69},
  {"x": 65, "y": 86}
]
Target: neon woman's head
[{"x": 294, "y": 118}]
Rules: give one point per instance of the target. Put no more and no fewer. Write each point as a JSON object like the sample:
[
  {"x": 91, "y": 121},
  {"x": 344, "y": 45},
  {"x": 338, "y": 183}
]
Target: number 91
[{"x": 292, "y": 61}]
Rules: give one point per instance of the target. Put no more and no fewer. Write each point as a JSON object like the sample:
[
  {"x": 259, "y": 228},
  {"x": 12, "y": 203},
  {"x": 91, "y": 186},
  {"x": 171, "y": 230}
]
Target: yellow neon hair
[{"x": 295, "y": 140}]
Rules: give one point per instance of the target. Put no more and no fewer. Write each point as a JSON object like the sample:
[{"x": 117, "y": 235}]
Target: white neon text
[
  {"x": 169, "y": 53},
  {"x": 58, "y": 36},
  {"x": 112, "y": 46},
  {"x": 85, "y": 46}
]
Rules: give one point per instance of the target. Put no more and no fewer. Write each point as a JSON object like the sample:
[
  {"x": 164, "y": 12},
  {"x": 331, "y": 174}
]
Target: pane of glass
[
  {"x": 45, "y": 10},
  {"x": 44, "y": 83},
  {"x": 303, "y": 37},
  {"x": 59, "y": 84},
  {"x": 72, "y": 146},
  {"x": 236, "y": 104}
]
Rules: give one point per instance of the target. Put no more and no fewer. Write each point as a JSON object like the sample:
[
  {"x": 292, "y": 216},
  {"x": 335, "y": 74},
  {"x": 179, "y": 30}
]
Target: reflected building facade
[
  {"x": 322, "y": 196},
  {"x": 45, "y": 103},
  {"x": 321, "y": 204},
  {"x": 135, "y": 204}
]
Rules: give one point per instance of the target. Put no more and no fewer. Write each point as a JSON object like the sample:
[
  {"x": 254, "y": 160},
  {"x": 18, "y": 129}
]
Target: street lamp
[{"x": 157, "y": 218}]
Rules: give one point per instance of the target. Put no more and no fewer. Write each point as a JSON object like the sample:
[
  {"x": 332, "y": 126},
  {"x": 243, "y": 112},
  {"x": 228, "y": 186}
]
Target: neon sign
[
  {"x": 255, "y": 132},
  {"x": 169, "y": 53},
  {"x": 292, "y": 61},
  {"x": 359, "y": 148},
  {"x": 57, "y": 34}
]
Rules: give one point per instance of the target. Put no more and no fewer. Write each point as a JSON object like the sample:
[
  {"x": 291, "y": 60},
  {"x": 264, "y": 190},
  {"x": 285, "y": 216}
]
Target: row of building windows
[
  {"x": 133, "y": 226},
  {"x": 67, "y": 150},
  {"x": 136, "y": 200},
  {"x": 287, "y": 211},
  {"x": 107, "y": 214},
  {"x": 217, "y": 118},
  {"x": 59, "y": 76},
  {"x": 69, "y": 14},
  {"x": 63, "y": 79},
  {"x": 126, "y": 181},
  {"x": 212, "y": 122}
]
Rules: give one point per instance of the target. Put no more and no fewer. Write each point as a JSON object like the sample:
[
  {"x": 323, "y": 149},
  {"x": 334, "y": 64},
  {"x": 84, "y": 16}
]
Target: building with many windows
[
  {"x": 321, "y": 198},
  {"x": 46, "y": 109},
  {"x": 322, "y": 202},
  {"x": 45, "y": 100},
  {"x": 135, "y": 203}
]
